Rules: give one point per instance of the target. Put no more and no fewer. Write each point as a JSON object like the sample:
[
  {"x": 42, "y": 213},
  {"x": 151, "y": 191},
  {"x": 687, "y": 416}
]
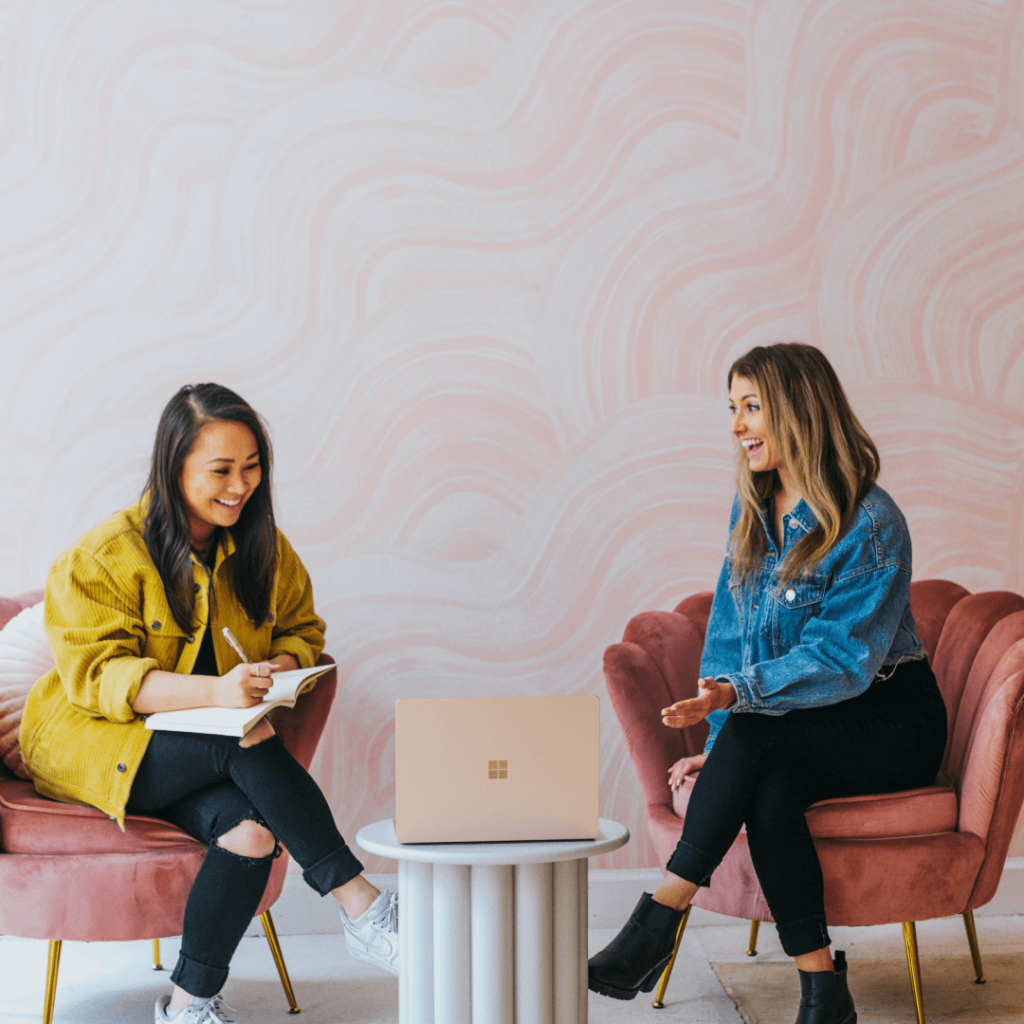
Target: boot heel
[{"x": 655, "y": 976}]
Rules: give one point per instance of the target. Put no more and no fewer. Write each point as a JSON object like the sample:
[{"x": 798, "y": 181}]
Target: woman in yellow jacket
[{"x": 134, "y": 613}]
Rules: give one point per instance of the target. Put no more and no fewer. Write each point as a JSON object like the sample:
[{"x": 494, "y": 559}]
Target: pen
[{"x": 230, "y": 637}]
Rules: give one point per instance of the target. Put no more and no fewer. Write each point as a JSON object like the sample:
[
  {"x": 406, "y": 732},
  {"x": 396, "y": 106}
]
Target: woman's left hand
[{"x": 712, "y": 696}]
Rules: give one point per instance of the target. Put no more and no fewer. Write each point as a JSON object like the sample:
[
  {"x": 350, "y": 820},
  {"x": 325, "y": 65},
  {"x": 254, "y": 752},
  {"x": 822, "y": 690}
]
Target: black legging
[
  {"x": 765, "y": 770},
  {"x": 209, "y": 784}
]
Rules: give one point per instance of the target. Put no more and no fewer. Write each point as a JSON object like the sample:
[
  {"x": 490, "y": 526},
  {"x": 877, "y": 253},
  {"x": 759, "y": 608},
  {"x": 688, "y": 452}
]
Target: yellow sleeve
[
  {"x": 298, "y": 630},
  {"x": 97, "y": 635}
]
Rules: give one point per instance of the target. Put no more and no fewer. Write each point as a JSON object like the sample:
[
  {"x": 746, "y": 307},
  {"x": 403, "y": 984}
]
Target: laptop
[{"x": 496, "y": 769}]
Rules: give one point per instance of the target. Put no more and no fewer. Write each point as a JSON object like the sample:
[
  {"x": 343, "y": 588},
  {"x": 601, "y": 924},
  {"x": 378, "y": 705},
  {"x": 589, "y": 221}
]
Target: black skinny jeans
[
  {"x": 765, "y": 770},
  {"x": 206, "y": 785}
]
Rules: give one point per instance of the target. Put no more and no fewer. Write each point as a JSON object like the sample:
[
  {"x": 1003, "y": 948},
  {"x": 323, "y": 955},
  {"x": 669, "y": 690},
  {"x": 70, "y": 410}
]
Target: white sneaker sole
[{"x": 368, "y": 957}]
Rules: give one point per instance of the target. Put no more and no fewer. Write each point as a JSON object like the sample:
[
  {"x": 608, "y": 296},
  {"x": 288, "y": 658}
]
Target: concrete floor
[{"x": 714, "y": 982}]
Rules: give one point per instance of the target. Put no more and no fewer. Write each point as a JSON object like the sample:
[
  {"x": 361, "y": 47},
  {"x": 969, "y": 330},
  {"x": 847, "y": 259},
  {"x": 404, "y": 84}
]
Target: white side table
[{"x": 492, "y": 933}]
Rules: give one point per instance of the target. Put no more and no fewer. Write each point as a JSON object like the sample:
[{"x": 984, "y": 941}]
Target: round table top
[{"x": 380, "y": 838}]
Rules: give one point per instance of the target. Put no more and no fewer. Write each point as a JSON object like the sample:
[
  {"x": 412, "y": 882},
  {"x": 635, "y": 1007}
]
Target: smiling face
[
  {"x": 748, "y": 425},
  {"x": 219, "y": 476}
]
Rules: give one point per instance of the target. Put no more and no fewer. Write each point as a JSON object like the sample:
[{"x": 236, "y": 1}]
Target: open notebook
[{"x": 284, "y": 691}]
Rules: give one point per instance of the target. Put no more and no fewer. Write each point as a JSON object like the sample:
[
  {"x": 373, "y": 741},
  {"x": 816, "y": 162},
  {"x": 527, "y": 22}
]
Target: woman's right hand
[
  {"x": 244, "y": 686},
  {"x": 684, "y": 767}
]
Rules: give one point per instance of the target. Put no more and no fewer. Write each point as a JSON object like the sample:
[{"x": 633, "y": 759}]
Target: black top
[{"x": 206, "y": 660}]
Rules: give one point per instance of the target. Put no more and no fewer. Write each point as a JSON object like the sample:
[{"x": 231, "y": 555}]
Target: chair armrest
[{"x": 656, "y": 664}]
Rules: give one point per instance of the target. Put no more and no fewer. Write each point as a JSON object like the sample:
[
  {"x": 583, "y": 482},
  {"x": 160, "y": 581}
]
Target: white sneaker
[
  {"x": 373, "y": 937},
  {"x": 199, "y": 1011}
]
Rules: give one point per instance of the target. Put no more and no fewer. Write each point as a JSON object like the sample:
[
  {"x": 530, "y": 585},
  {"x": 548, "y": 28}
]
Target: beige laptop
[{"x": 492, "y": 769}]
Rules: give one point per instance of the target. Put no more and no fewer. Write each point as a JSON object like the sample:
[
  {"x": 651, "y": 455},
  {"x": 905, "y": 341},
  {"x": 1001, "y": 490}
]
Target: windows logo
[{"x": 497, "y": 769}]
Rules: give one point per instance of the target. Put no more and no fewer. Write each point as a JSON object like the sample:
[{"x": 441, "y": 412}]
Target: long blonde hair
[{"x": 812, "y": 428}]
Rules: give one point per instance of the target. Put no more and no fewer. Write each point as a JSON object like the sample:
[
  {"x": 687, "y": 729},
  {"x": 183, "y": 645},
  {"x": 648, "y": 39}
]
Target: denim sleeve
[
  {"x": 840, "y": 648},
  {"x": 723, "y": 646}
]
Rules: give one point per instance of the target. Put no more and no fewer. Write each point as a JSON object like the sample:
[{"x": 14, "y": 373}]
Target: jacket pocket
[
  {"x": 790, "y": 607},
  {"x": 164, "y": 639}
]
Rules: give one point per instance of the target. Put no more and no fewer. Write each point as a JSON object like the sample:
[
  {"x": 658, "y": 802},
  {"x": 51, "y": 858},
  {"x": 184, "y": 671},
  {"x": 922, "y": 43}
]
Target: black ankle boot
[
  {"x": 824, "y": 997},
  {"x": 633, "y": 961}
]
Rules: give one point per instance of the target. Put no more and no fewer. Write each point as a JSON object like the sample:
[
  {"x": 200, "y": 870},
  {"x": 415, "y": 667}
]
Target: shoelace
[
  {"x": 215, "y": 1012},
  {"x": 387, "y": 916}
]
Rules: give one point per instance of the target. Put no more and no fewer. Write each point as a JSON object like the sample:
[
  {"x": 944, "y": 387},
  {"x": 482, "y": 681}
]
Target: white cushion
[{"x": 24, "y": 656}]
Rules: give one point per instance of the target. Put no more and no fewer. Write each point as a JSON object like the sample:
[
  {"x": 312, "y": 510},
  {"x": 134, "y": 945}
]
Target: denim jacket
[{"x": 823, "y": 637}]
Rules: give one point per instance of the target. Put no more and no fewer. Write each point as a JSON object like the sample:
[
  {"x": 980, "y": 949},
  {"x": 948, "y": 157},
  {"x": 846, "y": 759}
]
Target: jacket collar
[
  {"x": 801, "y": 514},
  {"x": 805, "y": 518}
]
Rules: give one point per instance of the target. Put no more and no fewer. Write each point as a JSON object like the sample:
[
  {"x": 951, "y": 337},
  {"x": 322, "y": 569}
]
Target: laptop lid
[{"x": 493, "y": 769}]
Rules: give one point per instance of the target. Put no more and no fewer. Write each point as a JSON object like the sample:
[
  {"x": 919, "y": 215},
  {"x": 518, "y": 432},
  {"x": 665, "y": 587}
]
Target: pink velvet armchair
[
  {"x": 68, "y": 872},
  {"x": 900, "y": 857}
]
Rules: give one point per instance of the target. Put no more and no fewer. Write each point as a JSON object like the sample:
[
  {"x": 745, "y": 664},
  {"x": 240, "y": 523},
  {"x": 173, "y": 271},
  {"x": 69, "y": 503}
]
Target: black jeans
[
  {"x": 765, "y": 770},
  {"x": 206, "y": 785}
]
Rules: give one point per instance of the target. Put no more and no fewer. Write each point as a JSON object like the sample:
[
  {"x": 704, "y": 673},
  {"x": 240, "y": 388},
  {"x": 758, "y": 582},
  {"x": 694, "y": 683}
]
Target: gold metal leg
[
  {"x": 754, "y": 926},
  {"x": 157, "y": 966},
  {"x": 667, "y": 973},
  {"x": 52, "y": 964},
  {"x": 275, "y": 948},
  {"x": 914, "y": 965},
  {"x": 972, "y": 941}
]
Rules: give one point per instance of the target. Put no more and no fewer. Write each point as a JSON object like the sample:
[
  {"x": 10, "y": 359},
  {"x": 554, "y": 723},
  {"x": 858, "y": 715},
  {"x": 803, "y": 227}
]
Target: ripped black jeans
[{"x": 206, "y": 785}]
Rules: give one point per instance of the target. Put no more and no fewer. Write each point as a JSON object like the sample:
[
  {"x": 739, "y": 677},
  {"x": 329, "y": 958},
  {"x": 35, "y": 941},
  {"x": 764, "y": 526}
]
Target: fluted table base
[
  {"x": 492, "y": 933},
  {"x": 493, "y": 943}
]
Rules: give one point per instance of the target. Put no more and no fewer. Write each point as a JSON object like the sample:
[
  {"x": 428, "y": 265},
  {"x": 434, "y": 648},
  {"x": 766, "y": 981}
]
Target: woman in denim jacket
[{"x": 815, "y": 683}]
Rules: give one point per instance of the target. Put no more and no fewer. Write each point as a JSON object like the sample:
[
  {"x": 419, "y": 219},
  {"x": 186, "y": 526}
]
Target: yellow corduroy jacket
[{"x": 109, "y": 623}]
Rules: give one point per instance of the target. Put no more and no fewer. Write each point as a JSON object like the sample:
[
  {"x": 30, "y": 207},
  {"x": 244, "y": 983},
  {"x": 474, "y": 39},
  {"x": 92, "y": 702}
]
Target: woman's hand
[
  {"x": 712, "y": 696},
  {"x": 244, "y": 686},
  {"x": 682, "y": 768}
]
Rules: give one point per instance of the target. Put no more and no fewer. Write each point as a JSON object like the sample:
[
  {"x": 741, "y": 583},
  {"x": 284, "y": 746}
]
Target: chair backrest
[
  {"x": 981, "y": 661},
  {"x": 955, "y": 658},
  {"x": 656, "y": 664},
  {"x": 976, "y": 644},
  {"x": 10, "y": 606}
]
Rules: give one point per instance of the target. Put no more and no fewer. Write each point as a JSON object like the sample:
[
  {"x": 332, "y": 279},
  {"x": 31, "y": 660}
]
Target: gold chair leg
[
  {"x": 914, "y": 965},
  {"x": 754, "y": 926},
  {"x": 52, "y": 964},
  {"x": 972, "y": 941},
  {"x": 275, "y": 948},
  {"x": 157, "y": 966},
  {"x": 667, "y": 973}
]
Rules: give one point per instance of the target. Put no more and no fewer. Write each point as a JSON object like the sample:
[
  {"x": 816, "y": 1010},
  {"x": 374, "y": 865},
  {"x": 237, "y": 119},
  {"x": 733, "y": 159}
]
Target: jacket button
[
  {"x": 195, "y": 588},
  {"x": 191, "y": 638},
  {"x": 791, "y": 595},
  {"x": 122, "y": 767},
  {"x": 156, "y": 624},
  {"x": 270, "y": 617}
]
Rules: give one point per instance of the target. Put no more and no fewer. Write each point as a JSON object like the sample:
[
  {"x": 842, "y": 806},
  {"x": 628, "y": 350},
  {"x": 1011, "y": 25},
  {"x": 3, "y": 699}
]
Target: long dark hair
[
  {"x": 166, "y": 528},
  {"x": 824, "y": 446}
]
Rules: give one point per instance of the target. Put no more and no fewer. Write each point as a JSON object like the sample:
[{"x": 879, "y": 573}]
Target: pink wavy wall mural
[{"x": 483, "y": 264}]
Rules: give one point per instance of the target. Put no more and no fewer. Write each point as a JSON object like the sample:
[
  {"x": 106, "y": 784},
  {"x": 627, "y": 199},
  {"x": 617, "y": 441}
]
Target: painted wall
[{"x": 482, "y": 264}]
